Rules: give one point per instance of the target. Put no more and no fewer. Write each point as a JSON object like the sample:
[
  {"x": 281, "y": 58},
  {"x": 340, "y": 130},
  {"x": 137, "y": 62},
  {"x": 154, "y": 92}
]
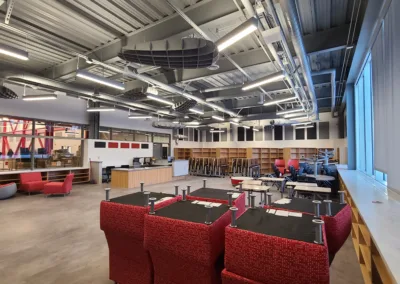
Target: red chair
[
  {"x": 31, "y": 182},
  {"x": 294, "y": 163},
  {"x": 280, "y": 164},
  {"x": 59, "y": 187},
  {"x": 123, "y": 226}
]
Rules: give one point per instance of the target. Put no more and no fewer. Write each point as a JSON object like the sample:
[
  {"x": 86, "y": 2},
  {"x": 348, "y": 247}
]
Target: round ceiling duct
[
  {"x": 6, "y": 93},
  {"x": 167, "y": 125},
  {"x": 185, "y": 106},
  {"x": 186, "y": 53}
]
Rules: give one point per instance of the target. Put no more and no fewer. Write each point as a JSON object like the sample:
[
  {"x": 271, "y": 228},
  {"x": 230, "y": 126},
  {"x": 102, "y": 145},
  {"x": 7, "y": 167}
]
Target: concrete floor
[{"x": 58, "y": 239}]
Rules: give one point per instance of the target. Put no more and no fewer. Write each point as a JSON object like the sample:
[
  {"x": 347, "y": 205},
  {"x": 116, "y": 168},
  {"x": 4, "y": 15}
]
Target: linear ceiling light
[
  {"x": 233, "y": 122},
  {"x": 163, "y": 111},
  {"x": 279, "y": 101},
  {"x": 255, "y": 129},
  {"x": 14, "y": 52},
  {"x": 104, "y": 131},
  {"x": 264, "y": 80},
  {"x": 138, "y": 116},
  {"x": 220, "y": 118},
  {"x": 216, "y": 131},
  {"x": 291, "y": 110},
  {"x": 195, "y": 110},
  {"x": 302, "y": 123},
  {"x": 39, "y": 97},
  {"x": 289, "y": 115},
  {"x": 237, "y": 34},
  {"x": 175, "y": 122},
  {"x": 100, "y": 109},
  {"x": 194, "y": 122},
  {"x": 245, "y": 126},
  {"x": 98, "y": 79},
  {"x": 192, "y": 126},
  {"x": 304, "y": 127},
  {"x": 299, "y": 117},
  {"x": 161, "y": 100}
]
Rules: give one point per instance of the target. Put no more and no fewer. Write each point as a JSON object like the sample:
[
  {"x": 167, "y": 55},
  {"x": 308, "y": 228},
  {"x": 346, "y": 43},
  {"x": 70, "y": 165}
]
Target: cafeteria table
[
  {"x": 219, "y": 196},
  {"x": 322, "y": 179},
  {"x": 337, "y": 221},
  {"x": 186, "y": 242},
  {"x": 262, "y": 189},
  {"x": 314, "y": 190},
  {"x": 271, "y": 247},
  {"x": 122, "y": 220}
]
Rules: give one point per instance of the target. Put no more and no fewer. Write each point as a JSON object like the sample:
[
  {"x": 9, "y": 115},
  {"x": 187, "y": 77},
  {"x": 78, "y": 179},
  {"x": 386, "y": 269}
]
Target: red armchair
[
  {"x": 59, "y": 187},
  {"x": 280, "y": 164},
  {"x": 294, "y": 163},
  {"x": 32, "y": 182}
]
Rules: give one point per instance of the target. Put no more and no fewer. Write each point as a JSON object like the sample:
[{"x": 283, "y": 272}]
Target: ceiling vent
[
  {"x": 166, "y": 125},
  {"x": 6, "y": 93},
  {"x": 185, "y": 106},
  {"x": 186, "y": 53}
]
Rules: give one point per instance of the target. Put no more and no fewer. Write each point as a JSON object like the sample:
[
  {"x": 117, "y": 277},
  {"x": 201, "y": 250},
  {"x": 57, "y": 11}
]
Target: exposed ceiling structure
[{"x": 314, "y": 49}]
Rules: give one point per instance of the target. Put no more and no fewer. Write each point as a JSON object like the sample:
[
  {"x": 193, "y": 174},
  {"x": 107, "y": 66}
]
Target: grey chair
[{"x": 7, "y": 190}]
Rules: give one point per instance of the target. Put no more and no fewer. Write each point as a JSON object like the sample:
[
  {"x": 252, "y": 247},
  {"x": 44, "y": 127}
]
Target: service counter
[{"x": 130, "y": 178}]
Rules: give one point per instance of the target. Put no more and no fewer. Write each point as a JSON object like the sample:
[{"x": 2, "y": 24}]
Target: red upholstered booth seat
[
  {"x": 185, "y": 252},
  {"x": 232, "y": 278},
  {"x": 280, "y": 164},
  {"x": 270, "y": 259},
  {"x": 239, "y": 202},
  {"x": 31, "y": 182},
  {"x": 123, "y": 226},
  {"x": 293, "y": 162},
  {"x": 59, "y": 187}
]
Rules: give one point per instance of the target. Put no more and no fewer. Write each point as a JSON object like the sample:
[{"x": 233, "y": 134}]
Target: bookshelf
[
  {"x": 266, "y": 157},
  {"x": 373, "y": 267}
]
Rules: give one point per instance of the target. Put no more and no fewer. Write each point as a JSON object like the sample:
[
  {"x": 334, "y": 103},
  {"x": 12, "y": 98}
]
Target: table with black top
[
  {"x": 266, "y": 248},
  {"x": 219, "y": 196},
  {"x": 183, "y": 248},
  {"x": 337, "y": 226},
  {"x": 122, "y": 220}
]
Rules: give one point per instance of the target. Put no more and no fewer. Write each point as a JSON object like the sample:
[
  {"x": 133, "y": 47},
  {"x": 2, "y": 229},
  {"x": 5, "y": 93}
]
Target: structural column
[
  {"x": 351, "y": 127},
  {"x": 94, "y": 121}
]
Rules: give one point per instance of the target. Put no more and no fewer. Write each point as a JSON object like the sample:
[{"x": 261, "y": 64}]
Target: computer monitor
[
  {"x": 42, "y": 151},
  {"x": 24, "y": 151}
]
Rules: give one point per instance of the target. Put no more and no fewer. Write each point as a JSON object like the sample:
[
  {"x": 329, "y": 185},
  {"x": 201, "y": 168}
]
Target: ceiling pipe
[
  {"x": 331, "y": 72},
  {"x": 19, "y": 76},
  {"x": 251, "y": 12},
  {"x": 216, "y": 89},
  {"x": 297, "y": 40}
]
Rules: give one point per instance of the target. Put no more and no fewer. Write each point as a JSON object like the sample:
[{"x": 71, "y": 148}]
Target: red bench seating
[
  {"x": 31, "y": 182},
  {"x": 59, "y": 187},
  {"x": 123, "y": 226}
]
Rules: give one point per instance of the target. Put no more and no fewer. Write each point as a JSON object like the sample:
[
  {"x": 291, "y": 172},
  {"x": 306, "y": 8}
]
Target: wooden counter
[{"x": 130, "y": 178}]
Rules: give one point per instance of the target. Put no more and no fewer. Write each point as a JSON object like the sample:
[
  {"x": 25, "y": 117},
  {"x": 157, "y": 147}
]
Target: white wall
[
  {"x": 114, "y": 156},
  {"x": 63, "y": 109}
]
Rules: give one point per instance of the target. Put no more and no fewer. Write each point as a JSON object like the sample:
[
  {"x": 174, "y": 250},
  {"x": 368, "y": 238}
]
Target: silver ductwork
[
  {"x": 297, "y": 40},
  {"x": 20, "y": 76}
]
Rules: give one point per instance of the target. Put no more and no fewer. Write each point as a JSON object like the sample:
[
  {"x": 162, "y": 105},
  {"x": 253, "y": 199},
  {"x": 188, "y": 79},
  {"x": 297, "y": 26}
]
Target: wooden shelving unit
[
  {"x": 266, "y": 157},
  {"x": 299, "y": 153},
  {"x": 182, "y": 153},
  {"x": 81, "y": 175},
  {"x": 373, "y": 267}
]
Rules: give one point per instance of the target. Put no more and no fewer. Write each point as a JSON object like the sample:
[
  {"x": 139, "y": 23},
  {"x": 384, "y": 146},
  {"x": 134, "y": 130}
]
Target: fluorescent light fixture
[
  {"x": 302, "y": 123},
  {"x": 264, "y": 80},
  {"x": 151, "y": 91},
  {"x": 255, "y": 129},
  {"x": 291, "y": 110},
  {"x": 305, "y": 126},
  {"x": 349, "y": 47},
  {"x": 175, "y": 122},
  {"x": 104, "y": 131},
  {"x": 300, "y": 117},
  {"x": 138, "y": 116},
  {"x": 194, "y": 122},
  {"x": 186, "y": 116},
  {"x": 14, "y": 52},
  {"x": 220, "y": 118},
  {"x": 233, "y": 122},
  {"x": 100, "y": 109},
  {"x": 39, "y": 97},
  {"x": 237, "y": 34},
  {"x": 216, "y": 131},
  {"x": 195, "y": 110},
  {"x": 289, "y": 115},
  {"x": 161, "y": 100},
  {"x": 163, "y": 111},
  {"x": 245, "y": 126},
  {"x": 279, "y": 101},
  {"x": 98, "y": 79},
  {"x": 192, "y": 126}
]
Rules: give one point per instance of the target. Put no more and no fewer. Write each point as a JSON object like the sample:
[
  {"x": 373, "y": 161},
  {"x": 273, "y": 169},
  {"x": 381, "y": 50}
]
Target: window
[
  {"x": 249, "y": 134},
  {"x": 216, "y": 135},
  {"x": 300, "y": 134},
  {"x": 324, "y": 130},
  {"x": 278, "y": 131},
  {"x": 312, "y": 132},
  {"x": 267, "y": 132},
  {"x": 288, "y": 132},
  {"x": 240, "y": 134}
]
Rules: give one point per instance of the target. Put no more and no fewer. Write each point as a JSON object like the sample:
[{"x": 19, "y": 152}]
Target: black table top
[
  {"x": 295, "y": 228},
  {"x": 138, "y": 198},
  {"x": 306, "y": 206},
  {"x": 187, "y": 211},
  {"x": 213, "y": 193}
]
